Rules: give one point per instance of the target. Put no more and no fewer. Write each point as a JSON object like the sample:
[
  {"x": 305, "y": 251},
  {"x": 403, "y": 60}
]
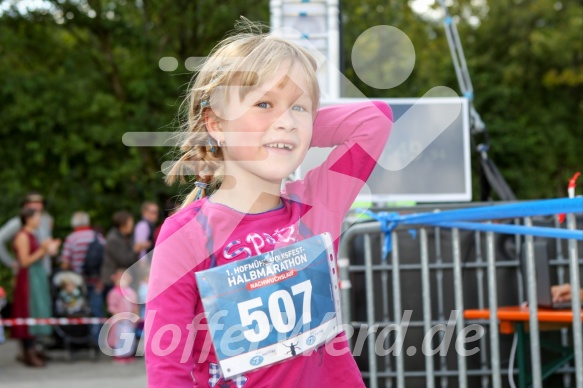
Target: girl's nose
[{"x": 285, "y": 120}]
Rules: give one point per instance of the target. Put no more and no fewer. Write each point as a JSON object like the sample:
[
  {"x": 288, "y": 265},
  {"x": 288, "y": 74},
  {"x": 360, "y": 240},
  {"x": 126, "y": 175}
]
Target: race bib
[{"x": 271, "y": 307}]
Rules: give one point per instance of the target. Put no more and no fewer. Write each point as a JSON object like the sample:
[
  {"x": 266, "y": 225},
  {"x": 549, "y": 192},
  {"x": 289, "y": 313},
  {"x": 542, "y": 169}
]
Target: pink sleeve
[
  {"x": 359, "y": 132},
  {"x": 171, "y": 302}
]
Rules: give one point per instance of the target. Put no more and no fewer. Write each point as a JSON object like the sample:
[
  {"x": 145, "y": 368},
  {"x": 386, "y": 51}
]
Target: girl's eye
[
  {"x": 264, "y": 104},
  {"x": 299, "y": 108}
]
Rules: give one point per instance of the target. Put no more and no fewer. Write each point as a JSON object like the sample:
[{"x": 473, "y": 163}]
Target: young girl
[
  {"x": 252, "y": 116},
  {"x": 122, "y": 299}
]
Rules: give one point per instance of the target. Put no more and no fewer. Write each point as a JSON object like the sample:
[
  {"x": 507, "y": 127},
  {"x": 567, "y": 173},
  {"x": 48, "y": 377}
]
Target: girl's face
[
  {"x": 125, "y": 279},
  {"x": 268, "y": 133},
  {"x": 122, "y": 278}
]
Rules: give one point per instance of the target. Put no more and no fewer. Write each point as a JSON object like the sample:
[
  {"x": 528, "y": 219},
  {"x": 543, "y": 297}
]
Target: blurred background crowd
[{"x": 78, "y": 276}]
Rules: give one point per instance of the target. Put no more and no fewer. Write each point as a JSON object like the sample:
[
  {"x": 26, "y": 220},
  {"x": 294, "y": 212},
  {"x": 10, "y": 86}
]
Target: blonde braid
[{"x": 197, "y": 158}]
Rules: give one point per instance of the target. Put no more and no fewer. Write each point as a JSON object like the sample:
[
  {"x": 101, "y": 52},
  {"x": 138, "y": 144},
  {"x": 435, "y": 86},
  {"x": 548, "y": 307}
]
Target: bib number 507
[{"x": 281, "y": 323}]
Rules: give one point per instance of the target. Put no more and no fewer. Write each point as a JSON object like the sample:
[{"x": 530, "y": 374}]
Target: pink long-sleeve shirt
[{"x": 179, "y": 351}]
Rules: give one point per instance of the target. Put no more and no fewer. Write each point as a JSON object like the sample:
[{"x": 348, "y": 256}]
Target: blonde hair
[{"x": 248, "y": 58}]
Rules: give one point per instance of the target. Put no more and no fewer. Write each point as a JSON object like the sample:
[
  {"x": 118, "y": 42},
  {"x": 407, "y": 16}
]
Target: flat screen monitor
[{"x": 427, "y": 157}]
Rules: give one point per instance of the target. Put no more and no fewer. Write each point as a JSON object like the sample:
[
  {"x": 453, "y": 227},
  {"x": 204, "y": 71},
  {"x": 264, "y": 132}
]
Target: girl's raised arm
[{"x": 359, "y": 132}]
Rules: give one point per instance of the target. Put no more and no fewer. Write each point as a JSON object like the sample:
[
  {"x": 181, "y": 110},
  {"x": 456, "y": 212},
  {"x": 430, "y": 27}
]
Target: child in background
[
  {"x": 122, "y": 299},
  {"x": 252, "y": 116},
  {"x": 70, "y": 300}
]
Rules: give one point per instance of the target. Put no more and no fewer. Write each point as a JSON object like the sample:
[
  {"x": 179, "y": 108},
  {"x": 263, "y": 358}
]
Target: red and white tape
[{"x": 51, "y": 321}]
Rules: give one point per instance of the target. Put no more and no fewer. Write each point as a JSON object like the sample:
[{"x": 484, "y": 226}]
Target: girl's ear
[{"x": 213, "y": 124}]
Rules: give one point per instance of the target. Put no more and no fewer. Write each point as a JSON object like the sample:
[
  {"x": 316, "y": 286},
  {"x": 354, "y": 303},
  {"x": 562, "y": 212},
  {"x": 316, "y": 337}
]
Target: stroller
[{"x": 70, "y": 301}]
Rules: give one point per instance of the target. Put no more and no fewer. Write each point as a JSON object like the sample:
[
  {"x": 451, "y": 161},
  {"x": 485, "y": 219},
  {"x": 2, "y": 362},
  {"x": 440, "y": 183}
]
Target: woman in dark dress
[{"x": 31, "y": 292}]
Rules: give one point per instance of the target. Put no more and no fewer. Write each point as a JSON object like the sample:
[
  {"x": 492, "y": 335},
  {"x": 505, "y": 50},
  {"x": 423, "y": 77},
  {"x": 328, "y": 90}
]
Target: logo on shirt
[
  {"x": 257, "y": 360},
  {"x": 257, "y": 243}
]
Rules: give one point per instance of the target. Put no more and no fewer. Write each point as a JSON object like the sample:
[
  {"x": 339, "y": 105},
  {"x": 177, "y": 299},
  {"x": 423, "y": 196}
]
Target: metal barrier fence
[{"x": 439, "y": 263}]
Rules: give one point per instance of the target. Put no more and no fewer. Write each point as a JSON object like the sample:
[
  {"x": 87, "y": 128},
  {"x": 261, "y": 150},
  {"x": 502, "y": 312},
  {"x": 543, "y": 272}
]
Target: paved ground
[{"x": 82, "y": 371}]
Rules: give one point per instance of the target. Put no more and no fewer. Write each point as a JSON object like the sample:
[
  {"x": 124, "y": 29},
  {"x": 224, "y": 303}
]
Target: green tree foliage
[
  {"x": 76, "y": 76},
  {"x": 432, "y": 61},
  {"x": 527, "y": 57}
]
